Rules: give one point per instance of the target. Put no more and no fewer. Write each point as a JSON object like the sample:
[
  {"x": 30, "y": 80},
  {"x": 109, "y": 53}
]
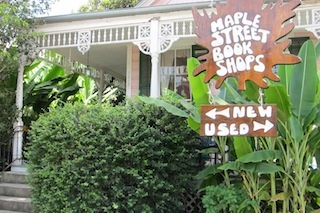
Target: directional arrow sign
[
  {"x": 238, "y": 120},
  {"x": 213, "y": 113},
  {"x": 265, "y": 127}
]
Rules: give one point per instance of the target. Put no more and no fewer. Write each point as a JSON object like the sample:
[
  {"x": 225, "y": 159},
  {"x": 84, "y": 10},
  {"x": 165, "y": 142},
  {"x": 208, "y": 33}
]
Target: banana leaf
[
  {"x": 296, "y": 129},
  {"x": 229, "y": 93},
  {"x": 311, "y": 119},
  {"x": 207, "y": 172},
  {"x": 55, "y": 72},
  {"x": 169, "y": 107},
  {"x": 262, "y": 168},
  {"x": 318, "y": 50},
  {"x": 314, "y": 190},
  {"x": 200, "y": 93},
  {"x": 241, "y": 146},
  {"x": 252, "y": 92},
  {"x": 314, "y": 142},
  {"x": 315, "y": 178},
  {"x": 304, "y": 82},
  {"x": 259, "y": 156},
  {"x": 285, "y": 74},
  {"x": 276, "y": 94},
  {"x": 199, "y": 89},
  {"x": 231, "y": 165}
]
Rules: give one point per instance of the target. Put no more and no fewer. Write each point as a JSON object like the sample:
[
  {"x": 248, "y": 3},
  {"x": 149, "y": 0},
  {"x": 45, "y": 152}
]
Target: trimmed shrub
[{"x": 133, "y": 158}]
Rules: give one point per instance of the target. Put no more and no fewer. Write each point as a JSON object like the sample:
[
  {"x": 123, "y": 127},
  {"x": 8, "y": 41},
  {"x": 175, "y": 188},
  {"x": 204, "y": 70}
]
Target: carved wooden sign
[
  {"x": 238, "y": 120},
  {"x": 242, "y": 38}
]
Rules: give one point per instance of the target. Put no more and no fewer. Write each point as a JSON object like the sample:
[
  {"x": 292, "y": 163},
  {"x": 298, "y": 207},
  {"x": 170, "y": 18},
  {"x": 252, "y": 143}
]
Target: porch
[
  {"x": 107, "y": 43},
  {"x": 107, "y": 46}
]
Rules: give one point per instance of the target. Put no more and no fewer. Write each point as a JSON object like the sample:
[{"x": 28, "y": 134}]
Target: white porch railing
[
  {"x": 140, "y": 34},
  {"x": 306, "y": 18},
  {"x": 309, "y": 18},
  {"x": 83, "y": 39}
]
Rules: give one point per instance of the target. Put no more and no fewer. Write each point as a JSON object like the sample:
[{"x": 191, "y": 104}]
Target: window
[
  {"x": 173, "y": 72},
  {"x": 296, "y": 44},
  {"x": 145, "y": 74}
]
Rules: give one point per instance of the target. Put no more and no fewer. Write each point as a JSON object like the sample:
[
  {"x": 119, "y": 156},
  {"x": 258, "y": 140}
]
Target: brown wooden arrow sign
[{"x": 238, "y": 120}]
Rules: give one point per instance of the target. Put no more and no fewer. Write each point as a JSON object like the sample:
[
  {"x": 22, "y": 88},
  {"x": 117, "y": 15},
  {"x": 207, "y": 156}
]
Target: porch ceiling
[{"x": 111, "y": 58}]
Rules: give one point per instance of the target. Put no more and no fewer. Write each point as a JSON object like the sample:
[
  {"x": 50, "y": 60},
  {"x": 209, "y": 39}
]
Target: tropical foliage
[
  {"x": 277, "y": 173},
  {"x": 16, "y": 36},
  {"x": 47, "y": 86}
]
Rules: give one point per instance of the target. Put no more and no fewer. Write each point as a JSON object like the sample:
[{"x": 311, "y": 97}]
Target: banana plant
[
  {"x": 266, "y": 163},
  {"x": 298, "y": 141},
  {"x": 46, "y": 85},
  {"x": 297, "y": 98}
]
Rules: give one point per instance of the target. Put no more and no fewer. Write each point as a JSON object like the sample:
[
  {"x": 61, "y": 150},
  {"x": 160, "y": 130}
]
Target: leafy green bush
[
  {"x": 221, "y": 198},
  {"x": 133, "y": 158}
]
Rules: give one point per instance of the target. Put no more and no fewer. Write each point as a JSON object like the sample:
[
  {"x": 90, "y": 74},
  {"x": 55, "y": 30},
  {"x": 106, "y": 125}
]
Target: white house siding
[{"x": 135, "y": 71}]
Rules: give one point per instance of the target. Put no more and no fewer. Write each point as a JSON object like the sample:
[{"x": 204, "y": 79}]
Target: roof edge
[{"x": 122, "y": 12}]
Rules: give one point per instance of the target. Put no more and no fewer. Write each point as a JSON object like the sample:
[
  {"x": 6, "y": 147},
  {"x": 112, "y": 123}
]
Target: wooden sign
[
  {"x": 238, "y": 120},
  {"x": 242, "y": 38}
]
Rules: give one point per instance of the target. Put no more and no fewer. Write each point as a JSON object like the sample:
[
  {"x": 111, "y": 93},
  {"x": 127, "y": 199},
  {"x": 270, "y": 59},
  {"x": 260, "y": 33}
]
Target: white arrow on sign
[
  {"x": 266, "y": 126},
  {"x": 213, "y": 113}
]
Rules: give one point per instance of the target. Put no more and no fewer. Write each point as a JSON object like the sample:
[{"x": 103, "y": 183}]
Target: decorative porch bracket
[
  {"x": 84, "y": 41},
  {"x": 152, "y": 42},
  {"x": 315, "y": 31},
  {"x": 309, "y": 18}
]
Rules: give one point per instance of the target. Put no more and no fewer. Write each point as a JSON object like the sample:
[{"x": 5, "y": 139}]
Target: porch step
[
  {"x": 14, "y": 177},
  {"x": 14, "y": 193},
  {"x": 15, "y": 204},
  {"x": 15, "y": 190}
]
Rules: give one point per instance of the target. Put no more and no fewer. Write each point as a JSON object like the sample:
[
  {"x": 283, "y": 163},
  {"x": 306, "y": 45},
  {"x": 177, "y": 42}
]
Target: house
[{"x": 142, "y": 49}]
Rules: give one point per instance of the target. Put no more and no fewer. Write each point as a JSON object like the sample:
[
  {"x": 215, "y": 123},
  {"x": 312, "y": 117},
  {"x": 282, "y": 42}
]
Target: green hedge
[{"x": 133, "y": 158}]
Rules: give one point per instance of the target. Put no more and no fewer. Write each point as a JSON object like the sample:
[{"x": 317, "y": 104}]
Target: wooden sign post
[{"x": 238, "y": 120}]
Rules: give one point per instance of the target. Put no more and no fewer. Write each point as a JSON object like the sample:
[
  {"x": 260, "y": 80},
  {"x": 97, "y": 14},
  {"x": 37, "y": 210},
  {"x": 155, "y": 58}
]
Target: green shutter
[{"x": 145, "y": 74}]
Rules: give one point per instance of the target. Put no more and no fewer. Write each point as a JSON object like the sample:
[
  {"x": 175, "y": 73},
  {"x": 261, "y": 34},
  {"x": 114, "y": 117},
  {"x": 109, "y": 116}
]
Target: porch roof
[
  {"x": 123, "y": 12},
  {"x": 107, "y": 33},
  {"x": 100, "y": 39},
  {"x": 145, "y": 3}
]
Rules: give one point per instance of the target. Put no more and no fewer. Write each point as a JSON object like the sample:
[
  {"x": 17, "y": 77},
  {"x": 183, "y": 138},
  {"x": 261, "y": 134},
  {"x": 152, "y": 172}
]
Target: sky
[{"x": 62, "y": 7}]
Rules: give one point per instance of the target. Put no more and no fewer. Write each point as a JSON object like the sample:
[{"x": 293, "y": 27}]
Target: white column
[
  {"x": 154, "y": 52},
  {"x": 18, "y": 125},
  {"x": 129, "y": 71},
  {"x": 101, "y": 85}
]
